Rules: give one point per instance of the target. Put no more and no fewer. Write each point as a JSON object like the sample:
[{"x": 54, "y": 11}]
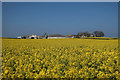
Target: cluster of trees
[
  {"x": 94, "y": 34},
  {"x": 99, "y": 33},
  {"x": 80, "y": 34}
]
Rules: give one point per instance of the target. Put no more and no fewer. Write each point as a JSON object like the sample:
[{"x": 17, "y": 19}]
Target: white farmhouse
[
  {"x": 19, "y": 37},
  {"x": 33, "y": 36}
]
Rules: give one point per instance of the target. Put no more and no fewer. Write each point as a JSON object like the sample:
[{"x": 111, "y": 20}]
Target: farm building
[
  {"x": 70, "y": 36},
  {"x": 22, "y": 37},
  {"x": 91, "y": 35},
  {"x": 56, "y": 37},
  {"x": 33, "y": 36},
  {"x": 19, "y": 37}
]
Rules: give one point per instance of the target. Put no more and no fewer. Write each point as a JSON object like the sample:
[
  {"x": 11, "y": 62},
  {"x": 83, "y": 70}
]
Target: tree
[
  {"x": 46, "y": 36},
  {"x": 98, "y": 33}
]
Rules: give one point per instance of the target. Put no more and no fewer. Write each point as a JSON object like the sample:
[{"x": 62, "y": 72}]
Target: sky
[
  {"x": 24, "y": 18},
  {"x": 0, "y": 19}
]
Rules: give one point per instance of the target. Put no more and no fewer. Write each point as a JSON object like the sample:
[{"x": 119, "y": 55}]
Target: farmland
[{"x": 60, "y": 58}]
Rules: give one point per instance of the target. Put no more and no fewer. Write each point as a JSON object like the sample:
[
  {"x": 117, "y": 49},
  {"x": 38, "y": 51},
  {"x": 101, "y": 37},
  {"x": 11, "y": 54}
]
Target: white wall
[{"x": 55, "y": 37}]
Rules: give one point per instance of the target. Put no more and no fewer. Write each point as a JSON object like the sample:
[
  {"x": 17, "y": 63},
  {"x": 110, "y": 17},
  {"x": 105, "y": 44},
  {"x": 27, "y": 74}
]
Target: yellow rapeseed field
[{"x": 60, "y": 58}]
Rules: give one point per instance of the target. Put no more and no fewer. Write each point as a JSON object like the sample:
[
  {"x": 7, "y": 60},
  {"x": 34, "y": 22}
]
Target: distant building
[
  {"x": 71, "y": 36},
  {"x": 74, "y": 36},
  {"x": 83, "y": 36},
  {"x": 91, "y": 35},
  {"x": 33, "y": 36},
  {"x": 41, "y": 37},
  {"x": 19, "y": 37},
  {"x": 56, "y": 37},
  {"x": 22, "y": 37}
]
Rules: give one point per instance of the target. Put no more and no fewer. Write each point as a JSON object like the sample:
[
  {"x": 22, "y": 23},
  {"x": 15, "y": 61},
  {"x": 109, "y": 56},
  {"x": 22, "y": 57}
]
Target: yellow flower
[
  {"x": 60, "y": 58},
  {"x": 6, "y": 71}
]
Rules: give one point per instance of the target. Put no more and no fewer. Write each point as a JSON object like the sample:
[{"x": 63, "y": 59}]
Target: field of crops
[{"x": 60, "y": 58}]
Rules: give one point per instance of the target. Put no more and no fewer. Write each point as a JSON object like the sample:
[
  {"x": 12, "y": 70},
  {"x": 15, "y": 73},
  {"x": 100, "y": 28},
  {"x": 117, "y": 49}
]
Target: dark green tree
[
  {"x": 45, "y": 35},
  {"x": 98, "y": 34}
]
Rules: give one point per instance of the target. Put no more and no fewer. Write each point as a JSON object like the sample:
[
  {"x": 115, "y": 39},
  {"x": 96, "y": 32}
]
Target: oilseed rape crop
[{"x": 60, "y": 58}]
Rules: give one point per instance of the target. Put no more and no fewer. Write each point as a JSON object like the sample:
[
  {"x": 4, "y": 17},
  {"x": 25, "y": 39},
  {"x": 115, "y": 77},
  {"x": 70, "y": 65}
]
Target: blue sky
[{"x": 23, "y": 18}]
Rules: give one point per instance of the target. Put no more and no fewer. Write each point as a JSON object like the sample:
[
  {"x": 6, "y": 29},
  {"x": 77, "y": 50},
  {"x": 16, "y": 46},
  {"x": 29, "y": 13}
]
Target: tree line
[
  {"x": 94, "y": 34},
  {"x": 80, "y": 34}
]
